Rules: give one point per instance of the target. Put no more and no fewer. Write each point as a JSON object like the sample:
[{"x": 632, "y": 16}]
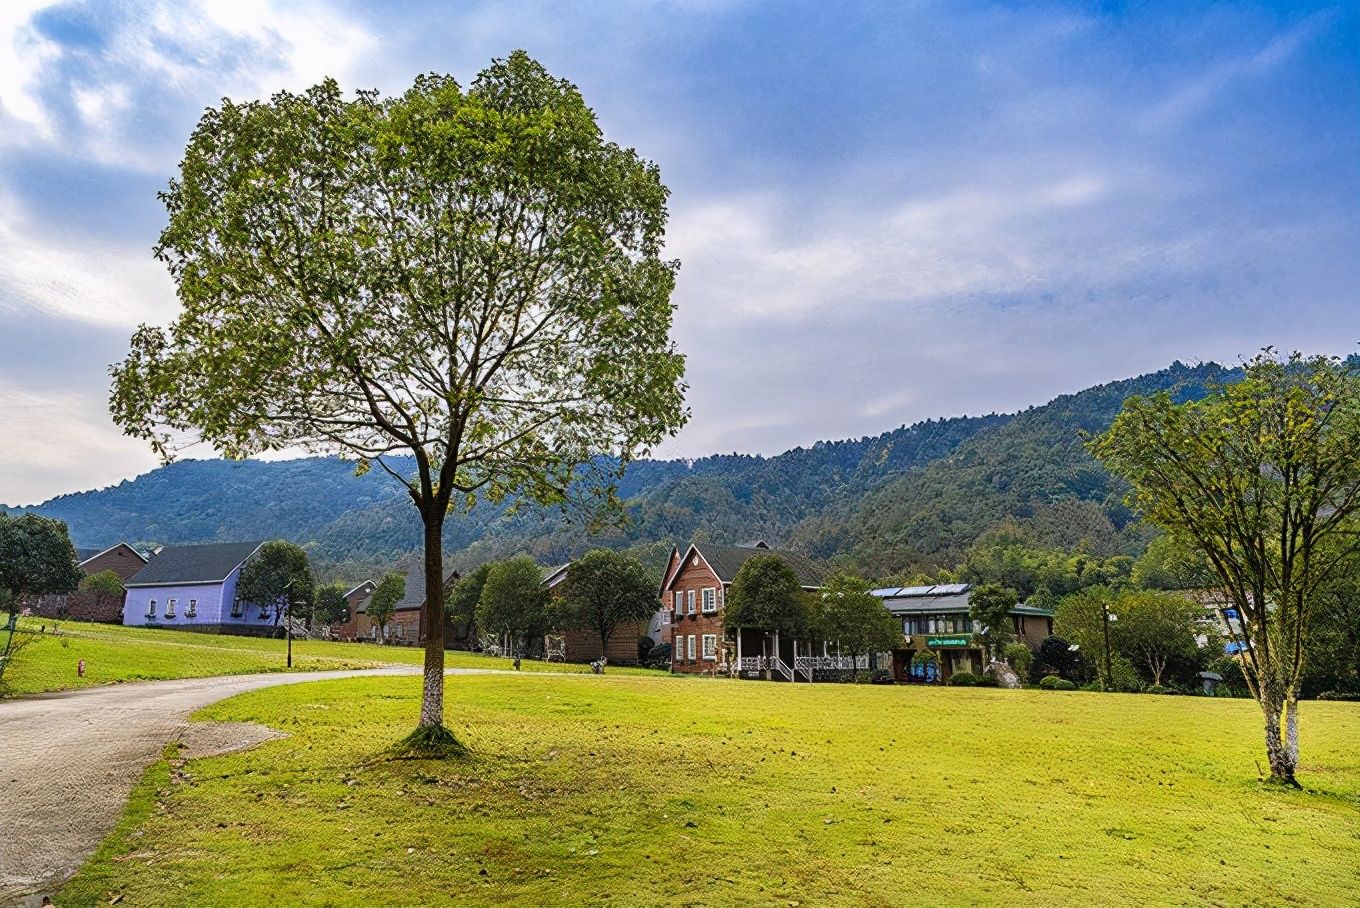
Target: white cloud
[
  {"x": 82, "y": 278},
  {"x": 159, "y": 56},
  {"x": 59, "y": 441}
]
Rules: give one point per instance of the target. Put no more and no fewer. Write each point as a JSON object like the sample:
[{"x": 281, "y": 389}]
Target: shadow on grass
[{"x": 429, "y": 742}]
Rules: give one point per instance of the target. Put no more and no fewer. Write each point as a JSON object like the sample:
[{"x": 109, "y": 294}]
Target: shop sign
[{"x": 948, "y": 641}]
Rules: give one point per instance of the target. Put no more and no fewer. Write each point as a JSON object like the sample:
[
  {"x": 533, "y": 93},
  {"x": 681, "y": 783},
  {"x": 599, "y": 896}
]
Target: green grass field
[
  {"x": 115, "y": 654},
  {"x": 655, "y": 790}
]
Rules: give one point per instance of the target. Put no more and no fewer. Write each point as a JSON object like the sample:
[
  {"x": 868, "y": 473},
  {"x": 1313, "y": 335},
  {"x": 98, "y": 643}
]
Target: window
[
  {"x": 170, "y": 607},
  {"x": 192, "y": 610},
  {"x": 237, "y": 608},
  {"x": 264, "y": 613},
  {"x": 689, "y": 604},
  {"x": 665, "y": 616},
  {"x": 151, "y": 608},
  {"x": 690, "y": 647},
  {"x": 710, "y": 600},
  {"x": 679, "y": 602},
  {"x": 711, "y": 647}
]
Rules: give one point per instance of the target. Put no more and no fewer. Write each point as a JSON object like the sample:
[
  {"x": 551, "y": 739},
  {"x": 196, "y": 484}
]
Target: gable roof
[
  {"x": 726, "y": 560},
  {"x": 84, "y": 555},
  {"x": 415, "y": 591},
  {"x": 552, "y": 576},
  {"x": 191, "y": 564}
]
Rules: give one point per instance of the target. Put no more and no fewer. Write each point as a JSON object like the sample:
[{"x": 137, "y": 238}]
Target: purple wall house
[{"x": 194, "y": 587}]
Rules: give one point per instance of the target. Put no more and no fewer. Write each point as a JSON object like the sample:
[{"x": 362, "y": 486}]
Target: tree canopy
[
  {"x": 471, "y": 276},
  {"x": 278, "y": 576},
  {"x": 765, "y": 595},
  {"x": 849, "y": 614},
  {"x": 513, "y": 601},
  {"x": 606, "y": 590},
  {"x": 36, "y": 559},
  {"x": 1262, "y": 478},
  {"x": 380, "y": 607},
  {"x": 330, "y": 606},
  {"x": 989, "y": 605}
]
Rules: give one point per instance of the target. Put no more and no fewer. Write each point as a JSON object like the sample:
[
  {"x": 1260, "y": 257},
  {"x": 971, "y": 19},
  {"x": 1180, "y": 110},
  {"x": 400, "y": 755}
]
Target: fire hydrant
[{"x": 80, "y": 669}]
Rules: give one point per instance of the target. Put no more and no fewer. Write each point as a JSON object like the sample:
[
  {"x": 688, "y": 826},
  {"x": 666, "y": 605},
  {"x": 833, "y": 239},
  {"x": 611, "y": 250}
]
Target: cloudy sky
[{"x": 884, "y": 212}]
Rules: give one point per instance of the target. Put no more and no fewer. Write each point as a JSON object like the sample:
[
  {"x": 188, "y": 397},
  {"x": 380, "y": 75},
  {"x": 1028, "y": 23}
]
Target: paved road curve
[{"x": 68, "y": 762}]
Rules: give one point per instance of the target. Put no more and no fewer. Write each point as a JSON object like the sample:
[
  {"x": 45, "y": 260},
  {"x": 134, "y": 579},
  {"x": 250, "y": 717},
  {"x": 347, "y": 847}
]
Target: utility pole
[{"x": 1106, "y": 617}]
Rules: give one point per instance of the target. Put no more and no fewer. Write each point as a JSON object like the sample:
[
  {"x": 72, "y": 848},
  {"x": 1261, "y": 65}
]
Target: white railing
[
  {"x": 780, "y": 666},
  {"x": 831, "y": 663},
  {"x": 751, "y": 664}
]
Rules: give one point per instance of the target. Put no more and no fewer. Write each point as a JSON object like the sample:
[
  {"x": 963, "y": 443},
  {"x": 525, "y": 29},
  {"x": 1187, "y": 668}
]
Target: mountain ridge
[{"x": 911, "y": 496}]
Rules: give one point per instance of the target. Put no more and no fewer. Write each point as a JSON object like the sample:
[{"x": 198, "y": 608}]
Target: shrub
[
  {"x": 1053, "y": 682},
  {"x": 987, "y": 681},
  {"x": 1339, "y": 695},
  {"x": 1020, "y": 657},
  {"x": 963, "y": 679},
  {"x": 1091, "y": 687}
]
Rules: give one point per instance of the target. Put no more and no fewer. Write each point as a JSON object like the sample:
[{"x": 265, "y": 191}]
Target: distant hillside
[{"x": 917, "y": 495}]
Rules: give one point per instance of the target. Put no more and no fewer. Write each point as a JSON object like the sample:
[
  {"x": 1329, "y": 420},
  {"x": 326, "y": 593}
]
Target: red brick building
[
  {"x": 406, "y": 626},
  {"x": 122, "y": 559},
  {"x": 693, "y": 592}
]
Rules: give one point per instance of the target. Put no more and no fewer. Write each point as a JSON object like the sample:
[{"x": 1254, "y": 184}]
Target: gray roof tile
[{"x": 183, "y": 564}]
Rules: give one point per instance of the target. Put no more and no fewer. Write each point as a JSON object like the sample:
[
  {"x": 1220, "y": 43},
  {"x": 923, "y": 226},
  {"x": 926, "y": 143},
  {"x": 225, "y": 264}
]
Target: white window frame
[
  {"x": 710, "y": 647},
  {"x": 710, "y": 600},
  {"x": 690, "y": 647},
  {"x": 170, "y": 607},
  {"x": 679, "y": 602},
  {"x": 238, "y": 608},
  {"x": 665, "y": 616},
  {"x": 151, "y": 608},
  {"x": 689, "y": 604},
  {"x": 192, "y": 610}
]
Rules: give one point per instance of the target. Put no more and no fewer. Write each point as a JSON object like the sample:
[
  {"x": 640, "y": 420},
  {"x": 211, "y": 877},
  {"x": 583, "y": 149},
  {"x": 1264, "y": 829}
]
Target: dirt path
[{"x": 69, "y": 760}]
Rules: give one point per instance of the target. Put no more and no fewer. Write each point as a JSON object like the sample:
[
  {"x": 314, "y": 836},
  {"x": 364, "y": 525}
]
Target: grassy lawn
[
  {"x": 643, "y": 791},
  {"x": 113, "y": 654}
]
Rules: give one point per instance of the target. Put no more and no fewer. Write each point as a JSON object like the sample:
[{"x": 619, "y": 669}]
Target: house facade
[
  {"x": 355, "y": 598},
  {"x": 194, "y": 587},
  {"x": 122, "y": 559},
  {"x": 406, "y": 627},
  {"x": 693, "y": 593},
  {"x": 935, "y": 620}
]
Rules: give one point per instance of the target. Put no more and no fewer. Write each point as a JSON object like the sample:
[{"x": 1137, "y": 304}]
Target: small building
[
  {"x": 406, "y": 627},
  {"x": 935, "y": 619},
  {"x": 193, "y": 587},
  {"x": 583, "y": 645},
  {"x": 122, "y": 559},
  {"x": 693, "y": 592},
  {"x": 355, "y": 597}
]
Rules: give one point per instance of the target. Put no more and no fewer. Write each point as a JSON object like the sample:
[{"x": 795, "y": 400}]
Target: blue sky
[{"x": 885, "y": 212}]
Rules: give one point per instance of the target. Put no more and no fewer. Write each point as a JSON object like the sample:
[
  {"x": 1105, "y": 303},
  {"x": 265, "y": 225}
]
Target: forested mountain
[{"x": 912, "y": 497}]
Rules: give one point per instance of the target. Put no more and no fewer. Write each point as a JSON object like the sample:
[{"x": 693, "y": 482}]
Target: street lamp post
[
  {"x": 288, "y": 618},
  {"x": 1106, "y": 618}
]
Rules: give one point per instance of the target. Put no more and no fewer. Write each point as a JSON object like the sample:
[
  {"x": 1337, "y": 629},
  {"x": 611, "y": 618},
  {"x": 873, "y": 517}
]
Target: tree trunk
[
  {"x": 1283, "y": 759},
  {"x": 432, "y": 696}
]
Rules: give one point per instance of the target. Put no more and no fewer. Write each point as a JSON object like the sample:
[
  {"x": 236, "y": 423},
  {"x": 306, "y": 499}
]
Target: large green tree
[
  {"x": 279, "y": 576},
  {"x": 472, "y": 277},
  {"x": 605, "y": 590},
  {"x": 331, "y": 606},
  {"x": 36, "y": 559},
  {"x": 461, "y": 605},
  {"x": 1155, "y": 630},
  {"x": 514, "y": 602},
  {"x": 989, "y": 605},
  {"x": 765, "y": 595},
  {"x": 1263, "y": 479},
  {"x": 849, "y": 614}
]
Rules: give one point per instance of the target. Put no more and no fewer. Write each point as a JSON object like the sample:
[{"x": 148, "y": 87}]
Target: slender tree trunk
[
  {"x": 432, "y": 697},
  {"x": 1282, "y": 757}
]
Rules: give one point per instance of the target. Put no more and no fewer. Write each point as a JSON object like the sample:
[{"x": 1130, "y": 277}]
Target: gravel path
[{"x": 69, "y": 760}]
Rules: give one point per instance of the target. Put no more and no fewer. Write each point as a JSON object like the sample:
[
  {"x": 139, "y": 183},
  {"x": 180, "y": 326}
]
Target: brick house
[
  {"x": 406, "y": 627},
  {"x": 348, "y": 629},
  {"x": 693, "y": 592},
  {"x": 122, "y": 559},
  {"x": 577, "y": 645}
]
